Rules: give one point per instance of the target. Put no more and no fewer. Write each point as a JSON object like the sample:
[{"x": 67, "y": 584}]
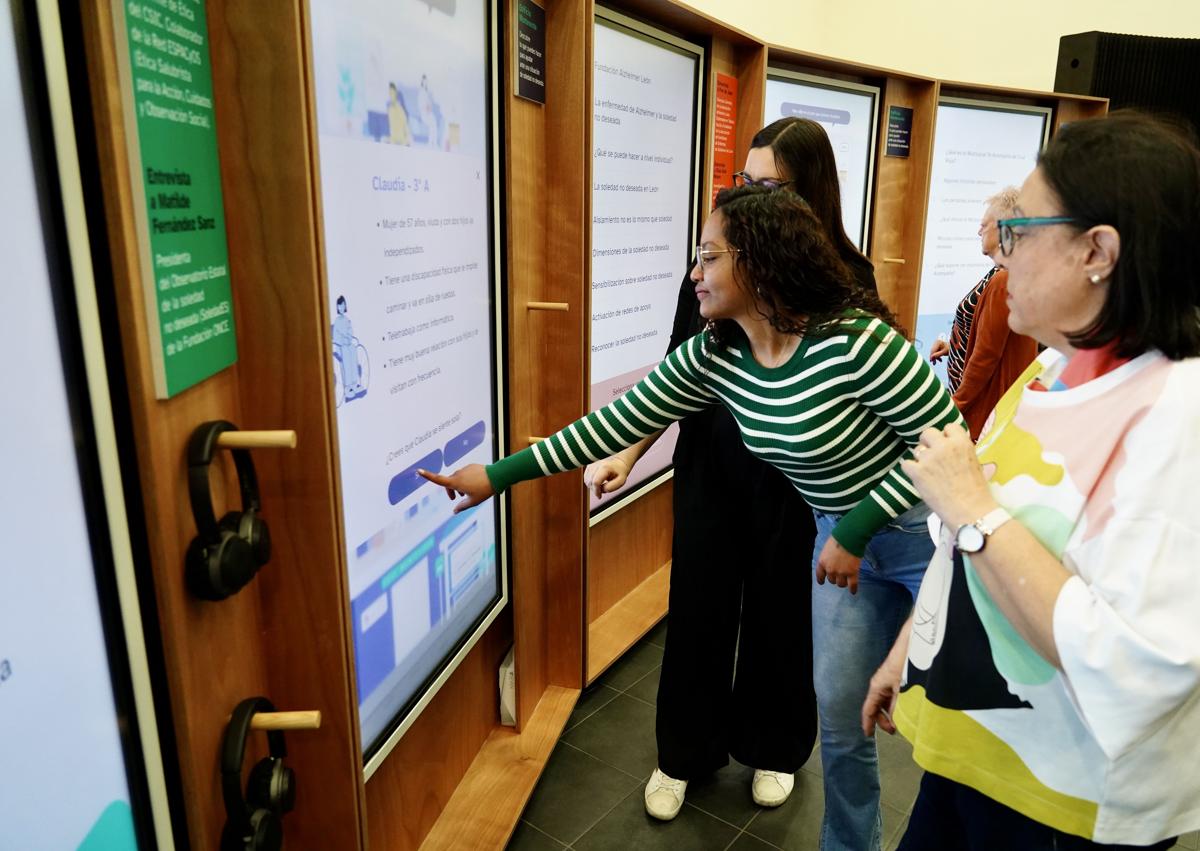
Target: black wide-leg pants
[{"x": 737, "y": 669}]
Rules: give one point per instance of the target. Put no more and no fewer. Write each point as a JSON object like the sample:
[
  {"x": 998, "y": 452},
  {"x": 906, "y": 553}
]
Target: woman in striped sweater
[{"x": 825, "y": 389}]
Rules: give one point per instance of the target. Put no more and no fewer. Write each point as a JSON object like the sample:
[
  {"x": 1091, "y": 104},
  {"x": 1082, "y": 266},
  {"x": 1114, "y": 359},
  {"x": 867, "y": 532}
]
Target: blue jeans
[{"x": 851, "y": 636}]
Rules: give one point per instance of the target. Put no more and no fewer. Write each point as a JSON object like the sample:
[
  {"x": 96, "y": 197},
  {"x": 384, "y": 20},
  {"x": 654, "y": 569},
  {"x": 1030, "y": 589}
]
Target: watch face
[{"x": 969, "y": 539}]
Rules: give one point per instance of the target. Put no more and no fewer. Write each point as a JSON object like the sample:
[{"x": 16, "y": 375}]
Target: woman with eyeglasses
[
  {"x": 822, "y": 387},
  {"x": 738, "y": 618},
  {"x": 985, "y": 355},
  {"x": 1050, "y": 677}
]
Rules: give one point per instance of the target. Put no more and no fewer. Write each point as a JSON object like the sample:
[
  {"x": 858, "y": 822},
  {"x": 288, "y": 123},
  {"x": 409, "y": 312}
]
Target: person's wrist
[{"x": 970, "y": 511}]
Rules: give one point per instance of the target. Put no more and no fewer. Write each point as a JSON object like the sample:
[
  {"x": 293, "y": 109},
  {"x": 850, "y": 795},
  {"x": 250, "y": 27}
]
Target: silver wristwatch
[{"x": 972, "y": 537}]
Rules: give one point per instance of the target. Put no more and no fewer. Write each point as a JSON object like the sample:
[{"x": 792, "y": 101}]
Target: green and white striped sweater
[{"x": 836, "y": 419}]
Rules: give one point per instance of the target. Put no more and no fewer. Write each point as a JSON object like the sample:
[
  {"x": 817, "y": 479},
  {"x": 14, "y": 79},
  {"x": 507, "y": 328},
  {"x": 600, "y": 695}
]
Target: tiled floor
[{"x": 590, "y": 795}]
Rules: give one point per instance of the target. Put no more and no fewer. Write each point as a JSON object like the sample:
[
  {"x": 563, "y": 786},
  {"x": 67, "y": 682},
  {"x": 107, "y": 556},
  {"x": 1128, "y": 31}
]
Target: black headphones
[
  {"x": 254, "y": 822},
  {"x": 223, "y": 557}
]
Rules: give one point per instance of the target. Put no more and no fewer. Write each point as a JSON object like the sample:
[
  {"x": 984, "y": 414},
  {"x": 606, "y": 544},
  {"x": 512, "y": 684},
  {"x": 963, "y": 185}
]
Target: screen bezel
[
  {"x": 1047, "y": 112},
  {"x": 660, "y": 38},
  {"x": 784, "y": 75},
  {"x": 375, "y": 752},
  {"x": 41, "y": 59}
]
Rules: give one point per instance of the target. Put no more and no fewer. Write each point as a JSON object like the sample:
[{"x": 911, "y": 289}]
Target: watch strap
[{"x": 993, "y": 520}]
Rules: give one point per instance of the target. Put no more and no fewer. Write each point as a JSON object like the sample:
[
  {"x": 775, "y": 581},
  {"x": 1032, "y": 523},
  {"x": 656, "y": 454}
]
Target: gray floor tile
[
  {"x": 746, "y": 842},
  {"x": 813, "y": 766},
  {"x": 591, "y": 701},
  {"x": 893, "y": 822},
  {"x": 726, "y": 794},
  {"x": 658, "y": 635},
  {"x": 638, "y": 661},
  {"x": 621, "y": 735},
  {"x": 797, "y": 824},
  {"x": 528, "y": 838},
  {"x": 647, "y": 687},
  {"x": 899, "y": 775},
  {"x": 628, "y": 828},
  {"x": 896, "y": 836},
  {"x": 1190, "y": 841},
  {"x": 574, "y": 792}
]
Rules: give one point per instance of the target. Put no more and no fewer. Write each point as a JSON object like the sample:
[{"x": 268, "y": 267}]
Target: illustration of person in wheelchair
[{"x": 351, "y": 366}]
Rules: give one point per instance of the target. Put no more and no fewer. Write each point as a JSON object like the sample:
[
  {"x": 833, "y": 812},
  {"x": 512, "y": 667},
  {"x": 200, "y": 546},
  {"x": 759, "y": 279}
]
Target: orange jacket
[{"x": 995, "y": 358}]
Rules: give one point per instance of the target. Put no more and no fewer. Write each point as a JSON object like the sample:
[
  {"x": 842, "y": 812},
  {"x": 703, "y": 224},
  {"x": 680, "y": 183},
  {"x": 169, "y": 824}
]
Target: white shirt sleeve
[{"x": 1127, "y": 628}]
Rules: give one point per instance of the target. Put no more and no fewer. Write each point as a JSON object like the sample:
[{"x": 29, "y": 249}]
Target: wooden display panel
[
  {"x": 282, "y": 636},
  {"x": 901, "y": 198}
]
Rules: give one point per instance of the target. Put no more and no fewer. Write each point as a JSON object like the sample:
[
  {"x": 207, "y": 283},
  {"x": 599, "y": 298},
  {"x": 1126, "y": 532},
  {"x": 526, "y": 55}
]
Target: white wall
[{"x": 994, "y": 42}]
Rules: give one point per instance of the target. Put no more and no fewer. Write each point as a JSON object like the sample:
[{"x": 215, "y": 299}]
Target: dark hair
[
  {"x": 1140, "y": 175},
  {"x": 340, "y": 301},
  {"x": 804, "y": 156},
  {"x": 800, "y": 282}
]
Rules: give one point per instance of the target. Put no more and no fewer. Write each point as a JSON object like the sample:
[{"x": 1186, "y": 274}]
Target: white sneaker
[
  {"x": 771, "y": 788},
  {"x": 664, "y": 796}
]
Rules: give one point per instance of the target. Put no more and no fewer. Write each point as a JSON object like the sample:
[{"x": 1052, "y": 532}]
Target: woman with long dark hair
[
  {"x": 739, "y": 611},
  {"x": 822, "y": 387}
]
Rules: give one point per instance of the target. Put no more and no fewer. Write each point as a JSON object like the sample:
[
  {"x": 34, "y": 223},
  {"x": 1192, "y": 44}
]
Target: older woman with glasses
[
  {"x": 823, "y": 388},
  {"x": 736, "y": 676},
  {"x": 1050, "y": 678},
  {"x": 985, "y": 355}
]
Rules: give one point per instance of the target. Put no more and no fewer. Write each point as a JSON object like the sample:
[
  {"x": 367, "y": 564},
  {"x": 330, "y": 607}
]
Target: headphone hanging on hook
[
  {"x": 254, "y": 821},
  {"x": 224, "y": 556}
]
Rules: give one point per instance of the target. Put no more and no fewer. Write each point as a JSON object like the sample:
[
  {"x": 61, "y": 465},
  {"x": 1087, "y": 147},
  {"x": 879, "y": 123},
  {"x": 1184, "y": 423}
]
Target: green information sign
[{"x": 167, "y": 81}]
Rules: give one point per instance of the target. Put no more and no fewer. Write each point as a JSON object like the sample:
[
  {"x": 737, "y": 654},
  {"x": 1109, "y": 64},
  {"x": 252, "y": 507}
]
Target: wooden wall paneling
[
  {"x": 566, "y": 341},
  {"x": 208, "y": 647},
  {"x": 626, "y": 548},
  {"x": 1069, "y": 108},
  {"x": 901, "y": 199},
  {"x": 525, "y": 166},
  {"x": 682, "y": 19},
  {"x": 284, "y": 376},
  {"x": 751, "y": 64},
  {"x": 414, "y": 786}
]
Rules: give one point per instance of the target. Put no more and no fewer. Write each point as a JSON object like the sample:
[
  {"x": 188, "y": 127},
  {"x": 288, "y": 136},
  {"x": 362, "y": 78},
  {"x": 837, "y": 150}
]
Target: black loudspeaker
[
  {"x": 254, "y": 821},
  {"x": 1156, "y": 75},
  {"x": 224, "y": 556}
]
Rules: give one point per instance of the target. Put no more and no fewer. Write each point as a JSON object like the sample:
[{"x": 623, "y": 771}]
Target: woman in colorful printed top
[
  {"x": 1052, "y": 683},
  {"x": 985, "y": 355},
  {"x": 825, "y": 390}
]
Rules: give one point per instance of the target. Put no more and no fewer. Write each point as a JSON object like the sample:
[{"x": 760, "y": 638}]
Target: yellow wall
[{"x": 997, "y": 42}]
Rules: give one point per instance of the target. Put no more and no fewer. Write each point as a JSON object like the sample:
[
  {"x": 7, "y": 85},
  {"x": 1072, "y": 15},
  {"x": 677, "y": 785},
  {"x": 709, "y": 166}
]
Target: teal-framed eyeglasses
[{"x": 1009, "y": 237}]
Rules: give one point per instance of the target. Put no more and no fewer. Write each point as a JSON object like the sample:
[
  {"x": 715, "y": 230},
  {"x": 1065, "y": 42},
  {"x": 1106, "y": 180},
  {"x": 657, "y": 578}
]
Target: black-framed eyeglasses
[
  {"x": 1009, "y": 237},
  {"x": 742, "y": 179},
  {"x": 704, "y": 257}
]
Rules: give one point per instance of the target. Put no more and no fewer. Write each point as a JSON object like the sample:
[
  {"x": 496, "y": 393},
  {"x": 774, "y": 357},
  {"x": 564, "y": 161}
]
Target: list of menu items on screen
[
  {"x": 978, "y": 149},
  {"x": 644, "y": 179}
]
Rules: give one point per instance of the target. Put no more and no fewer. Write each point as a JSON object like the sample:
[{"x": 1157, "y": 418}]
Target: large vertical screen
[
  {"x": 645, "y": 88},
  {"x": 978, "y": 149},
  {"x": 64, "y": 779},
  {"x": 404, "y": 94},
  {"x": 849, "y": 113}
]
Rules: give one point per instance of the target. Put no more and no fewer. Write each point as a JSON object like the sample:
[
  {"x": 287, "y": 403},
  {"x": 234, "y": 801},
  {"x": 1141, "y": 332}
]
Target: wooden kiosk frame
[{"x": 580, "y": 597}]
